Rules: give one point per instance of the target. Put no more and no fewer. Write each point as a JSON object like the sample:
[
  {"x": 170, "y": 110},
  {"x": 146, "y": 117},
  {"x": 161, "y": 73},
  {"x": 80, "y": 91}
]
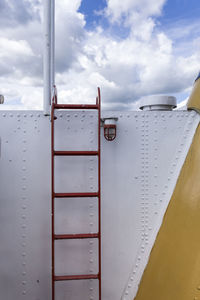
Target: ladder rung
[
  {"x": 75, "y": 195},
  {"x": 76, "y": 236},
  {"x": 76, "y": 153},
  {"x": 76, "y": 106},
  {"x": 76, "y": 277}
]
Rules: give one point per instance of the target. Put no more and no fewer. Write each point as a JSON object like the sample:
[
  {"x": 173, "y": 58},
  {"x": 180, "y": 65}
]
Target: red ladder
[{"x": 54, "y": 195}]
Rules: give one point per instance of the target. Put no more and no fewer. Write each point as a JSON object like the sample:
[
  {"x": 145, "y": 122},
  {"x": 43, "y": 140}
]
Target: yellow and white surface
[
  {"x": 173, "y": 269},
  {"x": 141, "y": 170}
]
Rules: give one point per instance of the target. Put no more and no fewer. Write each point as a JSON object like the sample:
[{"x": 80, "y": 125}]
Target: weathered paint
[
  {"x": 173, "y": 270},
  {"x": 194, "y": 99}
]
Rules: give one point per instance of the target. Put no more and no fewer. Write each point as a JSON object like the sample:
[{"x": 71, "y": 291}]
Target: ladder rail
[
  {"x": 76, "y": 106},
  {"x": 52, "y": 205},
  {"x": 99, "y": 186},
  {"x": 76, "y": 153},
  {"x": 73, "y": 195},
  {"x": 76, "y": 236},
  {"x": 76, "y": 277}
]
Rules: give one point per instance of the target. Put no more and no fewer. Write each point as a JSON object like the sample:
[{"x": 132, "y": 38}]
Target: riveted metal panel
[
  {"x": 76, "y": 215},
  {"x": 139, "y": 171},
  {"x": 76, "y": 131},
  {"x": 85, "y": 169},
  {"x": 24, "y": 206},
  {"x": 172, "y": 271}
]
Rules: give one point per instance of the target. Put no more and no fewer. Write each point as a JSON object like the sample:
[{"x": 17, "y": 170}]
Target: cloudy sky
[{"x": 130, "y": 48}]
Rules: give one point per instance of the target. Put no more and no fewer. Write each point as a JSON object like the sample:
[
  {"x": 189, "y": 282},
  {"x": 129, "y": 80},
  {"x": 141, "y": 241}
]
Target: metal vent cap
[{"x": 158, "y": 102}]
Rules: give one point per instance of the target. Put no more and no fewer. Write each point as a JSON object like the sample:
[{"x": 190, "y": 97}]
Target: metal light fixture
[{"x": 110, "y": 128}]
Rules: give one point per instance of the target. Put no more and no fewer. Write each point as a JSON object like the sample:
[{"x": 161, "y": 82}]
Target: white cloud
[
  {"x": 69, "y": 33},
  {"x": 133, "y": 10},
  {"x": 10, "y": 48},
  {"x": 148, "y": 60},
  {"x": 182, "y": 105}
]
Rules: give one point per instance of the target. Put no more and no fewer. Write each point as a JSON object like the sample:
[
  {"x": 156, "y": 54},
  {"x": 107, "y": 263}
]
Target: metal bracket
[{"x": 109, "y": 118}]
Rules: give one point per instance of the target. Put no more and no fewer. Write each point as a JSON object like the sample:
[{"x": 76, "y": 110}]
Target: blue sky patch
[
  {"x": 90, "y": 8},
  {"x": 176, "y": 10}
]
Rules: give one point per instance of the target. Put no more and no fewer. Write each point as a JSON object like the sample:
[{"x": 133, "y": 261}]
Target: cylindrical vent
[{"x": 158, "y": 102}]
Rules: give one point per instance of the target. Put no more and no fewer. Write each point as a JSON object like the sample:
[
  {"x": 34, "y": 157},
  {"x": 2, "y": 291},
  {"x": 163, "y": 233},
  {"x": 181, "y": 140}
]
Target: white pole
[
  {"x": 47, "y": 57},
  {"x": 52, "y": 44}
]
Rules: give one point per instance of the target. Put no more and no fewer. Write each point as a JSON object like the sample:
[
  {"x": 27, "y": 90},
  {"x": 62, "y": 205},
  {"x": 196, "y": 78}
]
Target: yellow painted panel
[
  {"x": 194, "y": 99},
  {"x": 173, "y": 270}
]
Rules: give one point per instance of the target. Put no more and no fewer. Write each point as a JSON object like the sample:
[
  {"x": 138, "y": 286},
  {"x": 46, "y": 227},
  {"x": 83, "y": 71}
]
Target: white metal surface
[
  {"x": 158, "y": 102},
  {"x": 139, "y": 171},
  {"x": 163, "y": 160}
]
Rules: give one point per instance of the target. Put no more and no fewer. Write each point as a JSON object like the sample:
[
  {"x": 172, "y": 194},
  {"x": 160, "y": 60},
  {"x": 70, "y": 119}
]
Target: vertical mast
[
  {"x": 48, "y": 59},
  {"x": 52, "y": 45}
]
